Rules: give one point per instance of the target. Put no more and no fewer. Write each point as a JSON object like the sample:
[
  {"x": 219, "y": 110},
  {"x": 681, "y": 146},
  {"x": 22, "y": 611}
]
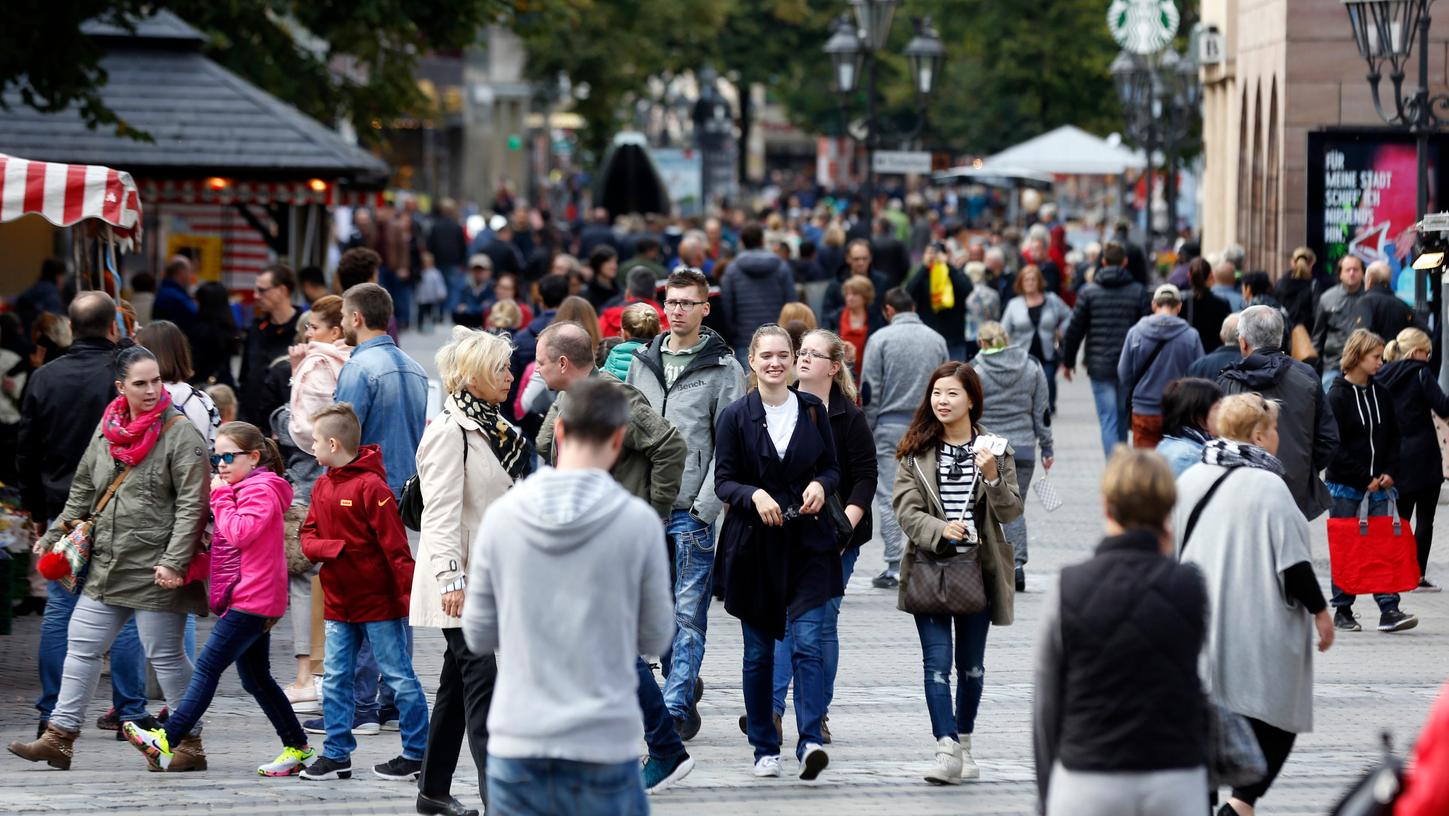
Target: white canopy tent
[{"x": 1068, "y": 151}]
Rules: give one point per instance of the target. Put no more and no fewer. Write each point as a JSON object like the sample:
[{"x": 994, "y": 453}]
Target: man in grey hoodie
[
  {"x": 1159, "y": 349},
  {"x": 894, "y": 378},
  {"x": 565, "y": 729},
  {"x": 754, "y": 288}
]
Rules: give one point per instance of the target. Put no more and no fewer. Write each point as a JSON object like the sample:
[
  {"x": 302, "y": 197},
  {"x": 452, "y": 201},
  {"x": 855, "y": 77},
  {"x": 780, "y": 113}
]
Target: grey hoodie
[
  {"x": 568, "y": 579},
  {"x": 896, "y": 370},
  {"x": 1016, "y": 399},
  {"x": 1181, "y": 347}
]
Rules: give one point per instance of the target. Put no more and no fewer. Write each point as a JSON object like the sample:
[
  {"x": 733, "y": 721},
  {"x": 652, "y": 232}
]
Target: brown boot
[
  {"x": 188, "y": 756},
  {"x": 55, "y": 747}
]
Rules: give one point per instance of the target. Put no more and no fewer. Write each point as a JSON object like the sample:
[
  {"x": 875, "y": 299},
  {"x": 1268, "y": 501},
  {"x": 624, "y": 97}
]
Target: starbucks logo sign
[{"x": 1143, "y": 26}]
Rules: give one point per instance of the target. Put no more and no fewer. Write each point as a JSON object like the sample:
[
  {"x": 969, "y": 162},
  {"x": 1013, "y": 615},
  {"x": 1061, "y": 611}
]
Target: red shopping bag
[{"x": 1373, "y": 554}]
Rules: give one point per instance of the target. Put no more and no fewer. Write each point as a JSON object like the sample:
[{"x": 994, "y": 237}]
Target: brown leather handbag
[{"x": 945, "y": 584}]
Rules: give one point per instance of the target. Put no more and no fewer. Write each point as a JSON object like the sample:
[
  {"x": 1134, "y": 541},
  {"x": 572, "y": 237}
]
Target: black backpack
[{"x": 410, "y": 506}]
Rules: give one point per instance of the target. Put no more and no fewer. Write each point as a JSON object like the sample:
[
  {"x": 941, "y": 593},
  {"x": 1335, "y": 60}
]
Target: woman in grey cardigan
[
  {"x": 1036, "y": 319},
  {"x": 1016, "y": 407},
  {"x": 143, "y": 542}
]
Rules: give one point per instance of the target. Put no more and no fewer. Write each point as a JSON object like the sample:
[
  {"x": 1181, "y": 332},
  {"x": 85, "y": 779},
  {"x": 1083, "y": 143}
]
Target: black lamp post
[
  {"x": 1160, "y": 96},
  {"x": 852, "y": 50},
  {"x": 1386, "y": 30}
]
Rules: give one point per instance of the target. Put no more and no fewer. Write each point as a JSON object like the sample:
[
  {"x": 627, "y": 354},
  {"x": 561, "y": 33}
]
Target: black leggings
[
  {"x": 1276, "y": 744},
  {"x": 1421, "y": 506}
]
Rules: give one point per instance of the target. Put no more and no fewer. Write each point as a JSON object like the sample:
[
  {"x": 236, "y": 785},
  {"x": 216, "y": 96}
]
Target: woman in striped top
[{"x": 952, "y": 494}]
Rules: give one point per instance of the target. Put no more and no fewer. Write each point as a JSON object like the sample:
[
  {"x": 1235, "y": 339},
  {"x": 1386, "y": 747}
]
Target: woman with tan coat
[
  {"x": 952, "y": 494},
  {"x": 469, "y": 457}
]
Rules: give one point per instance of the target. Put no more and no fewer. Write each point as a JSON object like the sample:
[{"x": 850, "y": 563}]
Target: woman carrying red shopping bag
[{"x": 1363, "y": 468}]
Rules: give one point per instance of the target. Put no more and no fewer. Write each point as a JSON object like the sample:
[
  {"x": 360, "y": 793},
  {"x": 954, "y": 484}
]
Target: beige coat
[
  {"x": 453, "y": 505},
  {"x": 917, "y": 503}
]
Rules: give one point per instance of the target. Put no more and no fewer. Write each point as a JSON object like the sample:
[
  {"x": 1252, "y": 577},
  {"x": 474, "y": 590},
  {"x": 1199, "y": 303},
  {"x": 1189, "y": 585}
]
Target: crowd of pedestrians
[{"x": 724, "y": 410}]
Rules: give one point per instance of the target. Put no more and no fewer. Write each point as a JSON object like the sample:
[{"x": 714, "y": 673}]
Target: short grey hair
[
  {"x": 1262, "y": 327},
  {"x": 995, "y": 253},
  {"x": 1229, "y": 332}
]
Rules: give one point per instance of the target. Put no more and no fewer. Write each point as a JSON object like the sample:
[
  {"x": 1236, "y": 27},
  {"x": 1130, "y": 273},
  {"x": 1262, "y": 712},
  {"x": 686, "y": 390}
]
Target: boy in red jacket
[{"x": 353, "y": 529}]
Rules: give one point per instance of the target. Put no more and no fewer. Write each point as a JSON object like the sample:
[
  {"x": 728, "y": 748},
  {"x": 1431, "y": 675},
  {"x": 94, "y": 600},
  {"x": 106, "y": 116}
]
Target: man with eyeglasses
[
  {"x": 689, "y": 374},
  {"x": 272, "y": 332}
]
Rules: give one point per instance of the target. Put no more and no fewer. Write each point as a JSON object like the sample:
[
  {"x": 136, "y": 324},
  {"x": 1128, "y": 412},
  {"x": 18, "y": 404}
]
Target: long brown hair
[
  {"x": 581, "y": 312},
  {"x": 926, "y": 431},
  {"x": 249, "y": 439}
]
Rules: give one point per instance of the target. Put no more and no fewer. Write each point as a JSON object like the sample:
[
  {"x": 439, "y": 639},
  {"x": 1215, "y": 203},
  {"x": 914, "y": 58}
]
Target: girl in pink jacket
[{"x": 248, "y": 589}]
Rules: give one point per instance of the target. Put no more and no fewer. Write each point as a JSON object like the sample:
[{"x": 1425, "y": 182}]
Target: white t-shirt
[{"x": 781, "y": 419}]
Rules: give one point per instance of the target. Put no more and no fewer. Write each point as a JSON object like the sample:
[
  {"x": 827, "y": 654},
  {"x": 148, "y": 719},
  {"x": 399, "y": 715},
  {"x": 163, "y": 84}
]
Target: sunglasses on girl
[{"x": 218, "y": 458}]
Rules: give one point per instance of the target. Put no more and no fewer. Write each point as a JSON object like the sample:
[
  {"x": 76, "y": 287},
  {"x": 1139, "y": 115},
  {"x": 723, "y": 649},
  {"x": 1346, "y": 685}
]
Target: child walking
[
  {"x": 248, "y": 589},
  {"x": 354, "y": 530},
  {"x": 638, "y": 325}
]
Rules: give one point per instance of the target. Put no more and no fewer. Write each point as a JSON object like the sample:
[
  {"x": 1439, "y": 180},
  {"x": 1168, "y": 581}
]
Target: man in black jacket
[
  {"x": 890, "y": 254},
  {"x": 950, "y": 322},
  {"x": 1106, "y": 310},
  {"x": 272, "y": 332},
  {"x": 1380, "y": 310}
]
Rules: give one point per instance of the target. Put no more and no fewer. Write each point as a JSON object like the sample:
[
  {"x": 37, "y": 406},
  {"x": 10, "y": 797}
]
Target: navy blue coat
[{"x": 761, "y": 571}]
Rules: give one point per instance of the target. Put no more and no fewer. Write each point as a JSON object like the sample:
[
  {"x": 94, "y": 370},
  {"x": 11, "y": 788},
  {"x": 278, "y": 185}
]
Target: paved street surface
[{"x": 1368, "y": 682}]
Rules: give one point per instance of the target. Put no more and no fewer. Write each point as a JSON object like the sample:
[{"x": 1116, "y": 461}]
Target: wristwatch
[{"x": 461, "y": 582}]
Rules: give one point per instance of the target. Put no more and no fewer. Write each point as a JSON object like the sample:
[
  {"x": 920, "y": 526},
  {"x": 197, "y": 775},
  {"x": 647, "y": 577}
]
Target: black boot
[{"x": 447, "y": 806}]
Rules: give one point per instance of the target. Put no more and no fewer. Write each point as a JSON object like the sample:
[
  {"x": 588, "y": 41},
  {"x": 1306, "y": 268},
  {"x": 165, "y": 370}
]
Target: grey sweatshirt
[
  {"x": 1016, "y": 400},
  {"x": 568, "y": 580},
  {"x": 898, "y": 362}
]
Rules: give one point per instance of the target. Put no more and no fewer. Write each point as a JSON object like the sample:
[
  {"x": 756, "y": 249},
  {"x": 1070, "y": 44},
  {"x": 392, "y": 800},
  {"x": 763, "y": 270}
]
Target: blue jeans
[
  {"x": 830, "y": 643},
  {"x": 1112, "y": 416},
  {"x": 936, "y": 653},
  {"x": 369, "y": 697},
  {"x": 808, "y": 661},
  {"x": 664, "y": 741},
  {"x": 457, "y": 280},
  {"x": 339, "y": 666},
  {"x": 694, "y": 571},
  {"x": 128, "y": 661},
  {"x": 1348, "y": 508},
  {"x": 1328, "y": 377},
  {"x": 241, "y": 638},
  {"x": 544, "y": 787},
  {"x": 402, "y": 294}
]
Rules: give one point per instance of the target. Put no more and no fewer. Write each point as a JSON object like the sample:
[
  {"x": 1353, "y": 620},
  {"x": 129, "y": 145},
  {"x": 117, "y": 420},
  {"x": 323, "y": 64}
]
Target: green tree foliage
[{"x": 348, "y": 59}]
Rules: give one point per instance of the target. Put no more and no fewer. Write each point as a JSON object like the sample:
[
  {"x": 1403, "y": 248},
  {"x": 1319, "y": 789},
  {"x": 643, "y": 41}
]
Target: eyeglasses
[
  {"x": 262, "y": 290},
  {"x": 682, "y": 305},
  {"x": 218, "y": 458},
  {"x": 815, "y": 355}
]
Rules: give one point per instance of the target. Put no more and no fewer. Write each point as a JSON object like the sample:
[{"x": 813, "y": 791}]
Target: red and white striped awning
[
  {"x": 67, "y": 194},
  {"x": 219, "y": 190}
]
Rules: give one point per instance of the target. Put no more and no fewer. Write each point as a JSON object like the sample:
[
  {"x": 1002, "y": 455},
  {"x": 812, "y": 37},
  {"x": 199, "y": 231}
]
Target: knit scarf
[
  {"x": 131, "y": 439},
  {"x": 1196, "y": 435},
  {"x": 506, "y": 441},
  {"x": 1230, "y": 454}
]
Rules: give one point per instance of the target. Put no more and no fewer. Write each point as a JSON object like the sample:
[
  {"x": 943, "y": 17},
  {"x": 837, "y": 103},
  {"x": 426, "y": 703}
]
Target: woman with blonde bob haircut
[
  {"x": 468, "y": 458},
  {"x": 1102, "y": 746},
  {"x": 1236, "y": 521},
  {"x": 1417, "y": 398}
]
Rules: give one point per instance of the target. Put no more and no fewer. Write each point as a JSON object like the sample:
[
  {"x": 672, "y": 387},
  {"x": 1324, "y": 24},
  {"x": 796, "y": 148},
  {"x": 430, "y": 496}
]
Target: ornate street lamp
[
  {"x": 926, "y": 54},
  {"x": 874, "y": 18},
  {"x": 846, "y": 56}
]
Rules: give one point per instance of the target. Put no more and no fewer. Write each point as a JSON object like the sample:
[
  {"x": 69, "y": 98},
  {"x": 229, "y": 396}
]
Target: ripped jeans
[{"x": 936, "y": 657}]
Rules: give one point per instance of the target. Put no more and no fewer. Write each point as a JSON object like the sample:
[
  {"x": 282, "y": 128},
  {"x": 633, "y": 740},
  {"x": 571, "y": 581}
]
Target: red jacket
[
  {"x": 1426, "y": 791},
  {"x": 611, "y": 321},
  {"x": 353, "y": 529}
]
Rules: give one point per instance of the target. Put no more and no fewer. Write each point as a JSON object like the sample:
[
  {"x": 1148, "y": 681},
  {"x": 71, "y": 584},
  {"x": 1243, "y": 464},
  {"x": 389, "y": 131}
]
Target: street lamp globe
[
  {"x": 1127, "y": 75},
  {"x": 926, "y": 54},
  {"x": 874, "y": 18},
  {"x": 846, "y": 56},
  {"x": 1384, "y": 29}
]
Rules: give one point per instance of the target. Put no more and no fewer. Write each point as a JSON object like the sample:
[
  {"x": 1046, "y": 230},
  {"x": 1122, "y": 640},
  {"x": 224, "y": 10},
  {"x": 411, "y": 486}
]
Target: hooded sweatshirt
[
  {"x": 313, "y": 384},
  {"x": 247, "y": 546},
  {"x": 1181, "y": 347},
  {"x": 1015, "y": 403},
  {"x": 1368, "y": 433},
  {"x": 568, "y": 578},
  {"x": 755, "y": 287}
]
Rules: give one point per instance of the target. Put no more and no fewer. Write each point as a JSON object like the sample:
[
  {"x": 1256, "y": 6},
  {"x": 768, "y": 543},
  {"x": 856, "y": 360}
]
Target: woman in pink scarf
[{"x": 143, "y": 542}]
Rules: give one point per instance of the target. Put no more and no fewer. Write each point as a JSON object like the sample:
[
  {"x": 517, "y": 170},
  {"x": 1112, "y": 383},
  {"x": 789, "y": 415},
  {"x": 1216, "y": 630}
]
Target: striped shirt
[{"x": 956, "y": 475}]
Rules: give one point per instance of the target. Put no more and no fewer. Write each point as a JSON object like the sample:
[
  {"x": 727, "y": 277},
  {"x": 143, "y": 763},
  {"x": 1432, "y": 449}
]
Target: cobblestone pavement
[{"x": 1366, "y": 683}]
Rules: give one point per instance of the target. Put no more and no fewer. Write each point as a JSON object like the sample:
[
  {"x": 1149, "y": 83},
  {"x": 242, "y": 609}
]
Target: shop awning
[
  {"x": 67, "y": 194},
  {"x": 229, "y": 191},
  {"x": 1068, "y": 151}
]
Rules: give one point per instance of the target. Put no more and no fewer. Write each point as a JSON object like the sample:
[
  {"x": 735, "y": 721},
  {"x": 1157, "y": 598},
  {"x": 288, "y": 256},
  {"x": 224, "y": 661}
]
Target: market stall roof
[
  {"x": 1068, "y": 151},
  {"x": 67, "y": 194},
  {"x": 998, "y": 176},
  {"x": 205, "y": 120}
]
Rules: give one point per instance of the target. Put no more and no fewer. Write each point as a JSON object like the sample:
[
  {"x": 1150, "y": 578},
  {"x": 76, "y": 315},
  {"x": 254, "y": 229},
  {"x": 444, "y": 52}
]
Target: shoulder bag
[
  {"x": 410, "y": 506},
  {"x": 1147, "y": 366},
  {"x": 834, "y": 510},
  {"x": 1234, "y": 756},
  {"x": 949, "y": 584}
]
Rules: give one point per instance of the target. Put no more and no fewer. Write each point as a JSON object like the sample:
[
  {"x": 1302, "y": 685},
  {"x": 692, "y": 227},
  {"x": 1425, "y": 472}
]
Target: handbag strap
[
  {"x": 116, "y": 484},
  {"x": 1197, "y": 510},
  {"x": 1363, "y": 515}
]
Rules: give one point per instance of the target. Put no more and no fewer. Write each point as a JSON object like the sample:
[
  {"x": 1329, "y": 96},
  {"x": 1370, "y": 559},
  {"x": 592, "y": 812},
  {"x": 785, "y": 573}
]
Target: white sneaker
[
  {"x": 813, "y": 761},
  {"x": 304, "y": 699},
  {"x": 768, "y": 766},
  {"x": 968, "y": 765},
  {"x": 947, "y": 770}
]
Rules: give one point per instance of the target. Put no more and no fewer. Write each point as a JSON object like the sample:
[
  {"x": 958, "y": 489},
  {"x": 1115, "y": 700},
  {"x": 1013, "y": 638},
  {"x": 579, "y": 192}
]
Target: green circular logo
[{"x": 1143, "y": 26}]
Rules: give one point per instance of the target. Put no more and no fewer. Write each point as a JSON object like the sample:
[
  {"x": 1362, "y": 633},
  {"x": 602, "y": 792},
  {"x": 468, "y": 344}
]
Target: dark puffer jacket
[
  {"x": 754, "y": 288},
  {"x": 1307, "y": 430},
  {"x": 1106, "y": 310},
  {"x": 1415, "y": 391}
]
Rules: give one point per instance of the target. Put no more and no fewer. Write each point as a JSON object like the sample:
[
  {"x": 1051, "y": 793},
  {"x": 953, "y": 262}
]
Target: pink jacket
[
  {"x": 248, "y": 556},
  {"x": 313, "y": 383}
]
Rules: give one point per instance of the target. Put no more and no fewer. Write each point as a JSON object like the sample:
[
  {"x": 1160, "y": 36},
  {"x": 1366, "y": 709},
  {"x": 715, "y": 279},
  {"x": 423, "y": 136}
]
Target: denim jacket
[{"x": 389, "y": 392}]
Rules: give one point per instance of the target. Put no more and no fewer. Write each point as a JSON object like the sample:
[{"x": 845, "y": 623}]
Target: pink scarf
[{"x": 132, "y": 439}]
